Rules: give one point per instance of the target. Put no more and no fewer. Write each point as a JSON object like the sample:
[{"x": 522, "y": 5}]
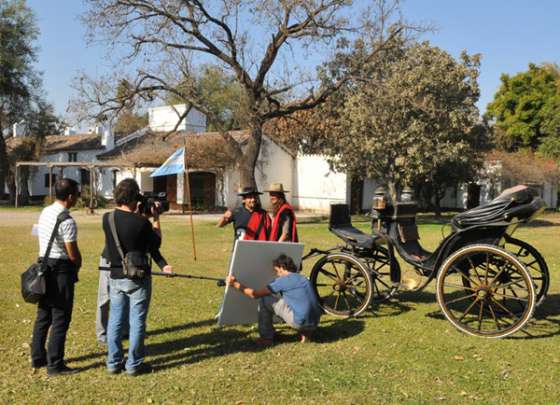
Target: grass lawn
[{"x": 401, "y": 352}]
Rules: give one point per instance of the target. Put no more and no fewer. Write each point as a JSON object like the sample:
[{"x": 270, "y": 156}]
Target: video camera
[{"x": 148, "y": 200}]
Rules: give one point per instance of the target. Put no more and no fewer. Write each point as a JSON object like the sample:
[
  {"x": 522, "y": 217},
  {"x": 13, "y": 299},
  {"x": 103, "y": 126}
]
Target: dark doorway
[
  {"x": 170, "y": 188},
  {"x": 84, "y": 177},
  {"x": 473, "y": 195},
  {"x": 203, "y": 190},
  {"x": 356, "y": 195},
  {"x": 160, "y": 184}
]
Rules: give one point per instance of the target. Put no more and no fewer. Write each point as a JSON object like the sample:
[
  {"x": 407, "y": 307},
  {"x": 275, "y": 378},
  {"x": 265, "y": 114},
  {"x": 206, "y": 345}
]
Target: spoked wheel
[
  {"x": 533, "y": 261},
  {"x": 485, "y": 291},
  {"x": 386, "y": 274},
  {"x": 342, "y": 283}
]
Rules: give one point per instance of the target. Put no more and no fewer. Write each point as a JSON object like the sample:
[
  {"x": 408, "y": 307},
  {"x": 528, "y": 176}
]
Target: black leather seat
[
  {"x": 340, "y": 224},
  {"x": 501, "y": 208}
]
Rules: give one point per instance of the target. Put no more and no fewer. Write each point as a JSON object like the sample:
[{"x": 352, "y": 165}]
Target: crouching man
[{"x": 290, "y": 297}]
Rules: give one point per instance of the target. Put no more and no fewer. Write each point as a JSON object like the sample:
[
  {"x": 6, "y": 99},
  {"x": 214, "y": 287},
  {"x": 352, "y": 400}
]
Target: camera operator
[{"x": 137, "y": 235}]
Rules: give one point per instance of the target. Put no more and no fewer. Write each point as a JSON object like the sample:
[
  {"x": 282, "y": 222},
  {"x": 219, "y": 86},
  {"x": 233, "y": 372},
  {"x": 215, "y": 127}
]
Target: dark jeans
[{"x": 54, "y": 312}]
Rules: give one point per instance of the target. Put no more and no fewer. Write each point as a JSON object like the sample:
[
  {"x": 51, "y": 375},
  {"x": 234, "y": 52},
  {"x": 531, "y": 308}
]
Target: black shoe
[
  {"x": 64, "y": 370},
  {"x": 38, "y": 363},
  {"x": 114, "y": 371},
  {"x": 141, "y": 369}
]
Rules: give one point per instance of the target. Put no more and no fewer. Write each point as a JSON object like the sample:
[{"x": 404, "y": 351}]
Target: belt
[{"x": 53, "y": 262}]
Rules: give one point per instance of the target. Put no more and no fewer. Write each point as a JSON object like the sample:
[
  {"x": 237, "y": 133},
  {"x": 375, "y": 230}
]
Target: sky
[{"x": 508, "y": 33}]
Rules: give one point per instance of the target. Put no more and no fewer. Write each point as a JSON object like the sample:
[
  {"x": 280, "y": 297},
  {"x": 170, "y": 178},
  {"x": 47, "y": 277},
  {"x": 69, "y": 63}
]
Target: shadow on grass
[
  {"x": 219, "y": 342},
  {"x": 421, "y": 297},
  {"x": 389, "y": 308},
  {"x": 544, "y": 324},
  {"x": 222, "y": 342},
  {"x": 155, "y": 332}
]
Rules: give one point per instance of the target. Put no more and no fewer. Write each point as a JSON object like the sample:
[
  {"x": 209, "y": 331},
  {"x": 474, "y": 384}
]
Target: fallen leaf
[{"x": 458, "y": 357}]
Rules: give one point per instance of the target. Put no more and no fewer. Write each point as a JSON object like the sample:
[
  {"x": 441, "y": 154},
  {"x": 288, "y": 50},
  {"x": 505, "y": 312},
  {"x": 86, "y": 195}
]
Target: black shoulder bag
[
  {"x": 135, "y": 263},
  {"x": 33, "y": 284}
]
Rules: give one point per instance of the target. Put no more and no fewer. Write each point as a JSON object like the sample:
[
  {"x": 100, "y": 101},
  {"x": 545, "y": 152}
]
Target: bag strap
[
  {"x": 63, "y": 216},
  {"x": 115, "y": 235}
]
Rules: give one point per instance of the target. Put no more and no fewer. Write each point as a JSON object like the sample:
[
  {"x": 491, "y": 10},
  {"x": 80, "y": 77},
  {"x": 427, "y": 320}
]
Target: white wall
[
  {"x": 165, "y": 118},
  {"x": 274, "y": 165},
  {"x": 37, "y": 181},
  {"x": 316, "y": 186}
]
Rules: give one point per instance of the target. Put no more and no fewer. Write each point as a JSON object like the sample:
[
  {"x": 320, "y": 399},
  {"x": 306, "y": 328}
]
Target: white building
[
  {"x": 214, "y": 179},
  {"x": 72, "y": 147}
]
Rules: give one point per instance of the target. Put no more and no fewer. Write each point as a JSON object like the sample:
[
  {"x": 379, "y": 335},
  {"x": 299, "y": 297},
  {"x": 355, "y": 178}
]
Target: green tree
[
  {"x": 18, "y": 79},
  {"x": 40, "y": 121},
  {"x": 404, "y": 118},
  {"x": 526, "y": 108}
]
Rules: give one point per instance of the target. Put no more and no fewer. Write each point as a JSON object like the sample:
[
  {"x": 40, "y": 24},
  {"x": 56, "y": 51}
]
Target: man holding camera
[
  {"x": 64, "y": 260},
  {"x": 129, "y": 237},
  {"x": 250, "y": 220}
]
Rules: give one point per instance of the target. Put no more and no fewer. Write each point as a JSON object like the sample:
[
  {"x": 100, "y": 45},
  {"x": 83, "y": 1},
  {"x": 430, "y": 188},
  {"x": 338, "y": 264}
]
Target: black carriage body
[
  {"x": 395, "y": 225},
  {"x": 477, "y": 265}
]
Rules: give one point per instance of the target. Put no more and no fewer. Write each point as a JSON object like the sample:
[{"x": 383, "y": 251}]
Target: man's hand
[
  {"x": 155, "y": 210},
  {"x": 167, "y": 269},
  {"x": 230, "y": 280},
  {"x": 225, "y": 219}
]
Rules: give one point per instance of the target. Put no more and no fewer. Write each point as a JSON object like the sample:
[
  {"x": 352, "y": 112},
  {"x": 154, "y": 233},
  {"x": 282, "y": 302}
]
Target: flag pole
[{"x": 187, "y": 192}]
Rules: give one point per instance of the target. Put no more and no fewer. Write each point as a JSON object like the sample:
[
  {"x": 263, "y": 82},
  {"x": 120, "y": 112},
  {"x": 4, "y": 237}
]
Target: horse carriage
[{"x": 487, "y": 282}]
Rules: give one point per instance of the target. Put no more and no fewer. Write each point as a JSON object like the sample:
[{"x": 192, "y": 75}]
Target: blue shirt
[{"x": 300, "y": 297}]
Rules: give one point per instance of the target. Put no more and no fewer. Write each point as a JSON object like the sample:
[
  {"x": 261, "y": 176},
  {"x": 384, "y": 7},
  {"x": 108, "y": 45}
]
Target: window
[
  {"x": 47, "y": 179},
  {"x": 72, "y": 156}
]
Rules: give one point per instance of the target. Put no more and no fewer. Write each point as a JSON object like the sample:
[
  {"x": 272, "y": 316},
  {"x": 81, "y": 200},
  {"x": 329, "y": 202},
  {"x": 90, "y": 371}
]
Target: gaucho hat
[
  {"x": 245, "y": 191},
  {"x": 276, "y": 188}
]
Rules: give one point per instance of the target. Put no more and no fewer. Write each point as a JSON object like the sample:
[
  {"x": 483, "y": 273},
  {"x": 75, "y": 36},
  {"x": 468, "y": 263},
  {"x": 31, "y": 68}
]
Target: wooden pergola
[{"x": 82, "y": 165}]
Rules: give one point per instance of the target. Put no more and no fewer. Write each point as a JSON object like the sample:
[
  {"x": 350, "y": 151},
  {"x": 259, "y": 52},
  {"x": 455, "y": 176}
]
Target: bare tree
[{"x": 263, "y": 43}]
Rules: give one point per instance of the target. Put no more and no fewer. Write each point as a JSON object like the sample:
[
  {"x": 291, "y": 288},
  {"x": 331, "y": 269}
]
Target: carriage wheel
[
  {"x": 342, "y": 284},
  {"x": 486, "y": 291},
  {"x": 534, "y": 262},
  {"x": 384, "y": 285}
]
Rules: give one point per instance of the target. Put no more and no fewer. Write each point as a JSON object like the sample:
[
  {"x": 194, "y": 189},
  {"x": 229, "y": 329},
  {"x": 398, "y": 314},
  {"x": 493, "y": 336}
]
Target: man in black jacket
[{"x": 135, "y": 234}]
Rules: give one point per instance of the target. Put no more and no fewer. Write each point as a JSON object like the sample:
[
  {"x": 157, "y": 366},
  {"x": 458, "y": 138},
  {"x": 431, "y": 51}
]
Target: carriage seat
[
  {"x": 340, "y": 224},
  {"x": 519, "y": 201}
]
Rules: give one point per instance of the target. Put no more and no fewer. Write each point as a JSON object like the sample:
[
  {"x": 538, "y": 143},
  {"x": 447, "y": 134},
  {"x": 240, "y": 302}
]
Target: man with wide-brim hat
[
  {"x": 250, "y": 220},
  {"x": 284, "y": 221}
]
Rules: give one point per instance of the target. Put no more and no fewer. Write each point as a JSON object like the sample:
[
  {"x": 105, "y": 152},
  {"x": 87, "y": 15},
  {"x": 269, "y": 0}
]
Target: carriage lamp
[
  {"x": 379, "y": 199},
  {"x": 407, "y": 194}
]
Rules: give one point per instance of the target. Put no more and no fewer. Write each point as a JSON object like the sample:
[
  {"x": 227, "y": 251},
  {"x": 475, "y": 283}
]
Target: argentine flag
[{"x": 175, "y": 164}]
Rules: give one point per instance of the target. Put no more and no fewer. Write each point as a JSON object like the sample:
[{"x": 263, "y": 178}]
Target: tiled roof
[
  {"x": 62, "y": 143},
  {"x": 205, "y": 150}
]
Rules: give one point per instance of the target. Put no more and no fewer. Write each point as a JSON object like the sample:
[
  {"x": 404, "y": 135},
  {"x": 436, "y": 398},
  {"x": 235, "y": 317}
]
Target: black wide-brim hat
[{"x": 245, "y": 191}]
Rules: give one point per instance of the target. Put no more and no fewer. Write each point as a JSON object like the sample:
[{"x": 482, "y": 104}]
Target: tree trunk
[
  {"x": 12, "y": 191},
  {"x": 393, "y": 190},
  {"x": 3, "y": 163},
  {"x": 438, "y": 196},
  {"x": 23, "y": 187},
  {"x": 248, "y": 160}
]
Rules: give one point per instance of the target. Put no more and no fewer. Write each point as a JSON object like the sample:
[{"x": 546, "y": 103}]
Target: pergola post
[
  {"x": 50, "y": 182},
  {"x": 187, "y": 193},
  {"x": 91, "y": 190},
  {"x": 17, "y": 186}
]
